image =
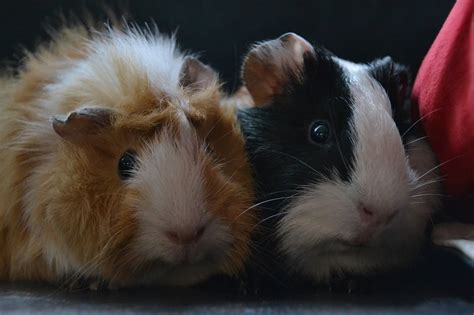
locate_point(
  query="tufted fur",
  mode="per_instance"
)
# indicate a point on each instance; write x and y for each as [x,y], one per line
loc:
[64,212]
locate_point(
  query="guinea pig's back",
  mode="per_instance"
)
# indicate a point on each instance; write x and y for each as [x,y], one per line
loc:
[7,199]
[8,131]
[25,134]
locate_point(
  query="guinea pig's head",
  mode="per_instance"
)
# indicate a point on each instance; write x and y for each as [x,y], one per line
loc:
[150,182]
[342,179]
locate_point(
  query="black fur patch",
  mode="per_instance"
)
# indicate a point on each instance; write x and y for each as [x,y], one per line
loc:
[396,80]
[283,158]
[285,161]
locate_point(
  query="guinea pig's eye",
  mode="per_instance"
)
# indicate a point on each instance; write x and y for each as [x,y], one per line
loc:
[319,132]
[127,164]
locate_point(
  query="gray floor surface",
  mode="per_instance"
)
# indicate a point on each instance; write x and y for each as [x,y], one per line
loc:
[444,284]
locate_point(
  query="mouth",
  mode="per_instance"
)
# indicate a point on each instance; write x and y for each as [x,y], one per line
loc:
[188,261]
[358,244]
[181,273]
[339,247]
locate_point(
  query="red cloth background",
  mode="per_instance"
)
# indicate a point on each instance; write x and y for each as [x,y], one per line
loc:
[444,92]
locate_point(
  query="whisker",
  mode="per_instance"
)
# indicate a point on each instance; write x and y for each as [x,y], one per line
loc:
[296,159]
[422,184]
[213,127]
[416,140]
[416,150]
[263,202]
[428,195]
[436,167]
[283,191]
[96,260]
[272,216]
[343,158]
[262,250]
[418,121]
[223,136]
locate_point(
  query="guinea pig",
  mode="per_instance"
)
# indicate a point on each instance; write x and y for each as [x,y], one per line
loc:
[345,180]
[119,165]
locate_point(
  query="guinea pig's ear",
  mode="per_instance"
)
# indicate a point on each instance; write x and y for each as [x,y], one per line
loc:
[196,75]
[242,98]
[395,79]
[270,65]
[83,123]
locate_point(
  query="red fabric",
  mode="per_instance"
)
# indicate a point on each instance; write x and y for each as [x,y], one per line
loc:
[444,91]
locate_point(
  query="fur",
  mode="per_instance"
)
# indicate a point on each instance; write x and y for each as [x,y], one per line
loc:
[66,215]
[315,196]
[381,179]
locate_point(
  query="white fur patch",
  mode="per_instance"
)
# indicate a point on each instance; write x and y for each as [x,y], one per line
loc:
[321,223]
[380,172]
[170,180]
[115,63]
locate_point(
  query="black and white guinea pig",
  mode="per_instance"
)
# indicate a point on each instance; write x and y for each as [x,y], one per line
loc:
[346,182]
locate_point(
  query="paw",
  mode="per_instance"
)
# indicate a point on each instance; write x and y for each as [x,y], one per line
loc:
[455,235]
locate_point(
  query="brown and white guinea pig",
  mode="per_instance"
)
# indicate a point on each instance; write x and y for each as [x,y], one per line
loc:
[119,166]
[346,182]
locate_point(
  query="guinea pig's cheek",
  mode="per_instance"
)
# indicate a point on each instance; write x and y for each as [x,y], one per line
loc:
[230,206]
[325,212]
[216,240]
[162,234]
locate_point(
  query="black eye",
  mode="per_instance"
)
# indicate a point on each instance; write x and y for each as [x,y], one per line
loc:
[127,164]
[319,132]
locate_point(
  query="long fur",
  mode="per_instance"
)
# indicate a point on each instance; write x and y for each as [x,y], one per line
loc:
[65,214]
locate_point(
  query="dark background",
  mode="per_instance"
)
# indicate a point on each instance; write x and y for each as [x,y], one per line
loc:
[443,283]
[222,31]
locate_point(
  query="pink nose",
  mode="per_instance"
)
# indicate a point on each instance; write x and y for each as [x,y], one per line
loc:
[372,217]
[185,237]
[371,220]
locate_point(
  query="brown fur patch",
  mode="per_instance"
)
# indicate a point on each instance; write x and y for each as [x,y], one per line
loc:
[65,214]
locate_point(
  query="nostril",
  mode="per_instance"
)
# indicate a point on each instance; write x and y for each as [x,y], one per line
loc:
[367,215]
[185,237]
[367,212]
[391,216]
[200,232]
[382,216]
[173,236]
